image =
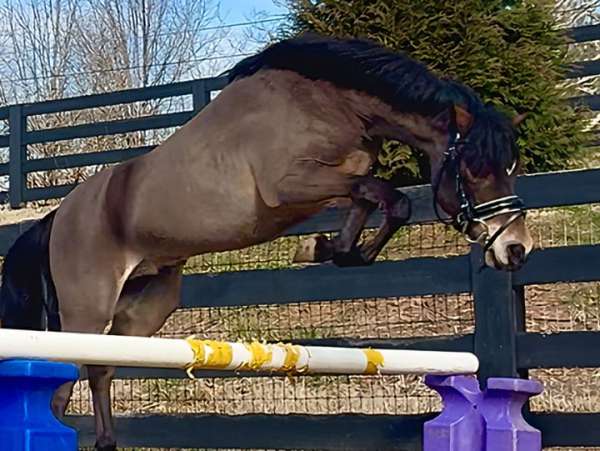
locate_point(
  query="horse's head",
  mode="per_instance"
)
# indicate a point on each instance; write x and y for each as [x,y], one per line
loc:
[473,150]
[474,183]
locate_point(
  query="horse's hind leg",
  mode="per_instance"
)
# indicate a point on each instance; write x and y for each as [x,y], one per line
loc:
[143,307]
[89,277]
[83,314]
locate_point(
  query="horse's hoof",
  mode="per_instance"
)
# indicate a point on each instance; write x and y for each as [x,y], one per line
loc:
[353,258]
[315,249]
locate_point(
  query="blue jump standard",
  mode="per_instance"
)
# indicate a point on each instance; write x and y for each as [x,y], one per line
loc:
[472,420]
[26,419]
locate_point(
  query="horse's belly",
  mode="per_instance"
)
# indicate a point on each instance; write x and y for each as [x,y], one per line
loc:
[242,222]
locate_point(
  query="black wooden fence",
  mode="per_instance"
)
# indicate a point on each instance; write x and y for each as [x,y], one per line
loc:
[19,138]
[500,340]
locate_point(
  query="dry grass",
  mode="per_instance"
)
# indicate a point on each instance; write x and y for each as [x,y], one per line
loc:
[565,307]
[8,216]
[317,395]
[358,318]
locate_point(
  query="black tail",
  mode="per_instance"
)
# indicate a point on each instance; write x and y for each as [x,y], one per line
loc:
[27,296]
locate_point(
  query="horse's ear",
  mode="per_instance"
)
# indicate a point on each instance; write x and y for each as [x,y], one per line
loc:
[519,118]
[464,120]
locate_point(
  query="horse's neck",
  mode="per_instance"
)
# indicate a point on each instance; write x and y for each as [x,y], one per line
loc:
[412,129]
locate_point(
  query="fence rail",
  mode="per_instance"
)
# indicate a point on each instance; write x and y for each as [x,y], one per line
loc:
[335,432]
[19,137]
[500,340]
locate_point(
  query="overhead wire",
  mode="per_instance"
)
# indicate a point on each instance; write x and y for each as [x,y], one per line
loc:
[162,64]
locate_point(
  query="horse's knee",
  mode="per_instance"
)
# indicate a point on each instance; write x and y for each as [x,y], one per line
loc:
[380,192]
[100,377]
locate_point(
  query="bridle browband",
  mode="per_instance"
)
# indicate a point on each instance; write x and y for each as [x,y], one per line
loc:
[470,214]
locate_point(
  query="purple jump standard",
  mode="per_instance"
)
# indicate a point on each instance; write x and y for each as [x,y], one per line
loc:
[475,420]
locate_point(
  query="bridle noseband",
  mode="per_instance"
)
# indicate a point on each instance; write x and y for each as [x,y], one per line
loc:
[470,214]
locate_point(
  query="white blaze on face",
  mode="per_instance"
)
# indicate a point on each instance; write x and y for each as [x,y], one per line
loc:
[516,233]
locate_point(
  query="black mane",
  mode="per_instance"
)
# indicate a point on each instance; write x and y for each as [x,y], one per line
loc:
[405,84]
[358,64]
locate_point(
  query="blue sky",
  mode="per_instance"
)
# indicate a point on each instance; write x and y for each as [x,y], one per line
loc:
[242,10]
[245,39]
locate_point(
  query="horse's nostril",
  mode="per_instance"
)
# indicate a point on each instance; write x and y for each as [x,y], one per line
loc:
[516,253]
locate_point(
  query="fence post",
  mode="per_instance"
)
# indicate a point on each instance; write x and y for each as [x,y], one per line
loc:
[520,320]
[17,155]
[200,95]
[495,320]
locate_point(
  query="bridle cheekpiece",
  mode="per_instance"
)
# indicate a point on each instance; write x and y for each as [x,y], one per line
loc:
[469,213]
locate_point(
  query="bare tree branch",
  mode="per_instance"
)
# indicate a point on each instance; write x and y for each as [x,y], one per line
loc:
[57,48]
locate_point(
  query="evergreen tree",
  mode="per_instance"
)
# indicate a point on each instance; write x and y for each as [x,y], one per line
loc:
[511,52]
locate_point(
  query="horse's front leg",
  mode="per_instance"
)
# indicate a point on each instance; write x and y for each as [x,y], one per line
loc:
[396,211]
[367,194]
[396,214]
[319,249]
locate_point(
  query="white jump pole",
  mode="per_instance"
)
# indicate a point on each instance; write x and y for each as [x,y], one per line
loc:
[193,354]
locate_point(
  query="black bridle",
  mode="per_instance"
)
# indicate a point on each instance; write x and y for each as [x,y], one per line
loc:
[469,213]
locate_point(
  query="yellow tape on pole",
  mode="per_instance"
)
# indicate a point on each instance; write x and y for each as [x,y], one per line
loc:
[292,355]
[219,357]
[259,355]
[210,354]
[374,361]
